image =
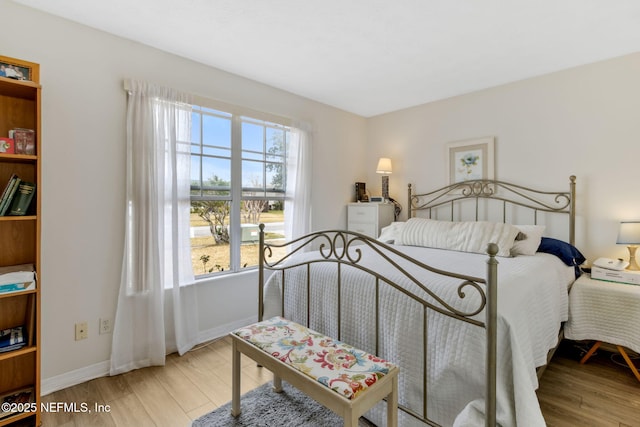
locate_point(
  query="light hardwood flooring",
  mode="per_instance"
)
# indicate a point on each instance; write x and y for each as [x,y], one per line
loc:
[599,393]
[184,389]
[602,392]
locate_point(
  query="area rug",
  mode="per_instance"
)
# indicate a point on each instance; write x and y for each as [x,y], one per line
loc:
[262,407]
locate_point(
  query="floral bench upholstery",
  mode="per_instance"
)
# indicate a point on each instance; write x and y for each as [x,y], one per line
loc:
[332,372]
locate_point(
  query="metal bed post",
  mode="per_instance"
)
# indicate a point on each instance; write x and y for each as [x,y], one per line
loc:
[261,274]
[492,334]
[409,206]
[572,210]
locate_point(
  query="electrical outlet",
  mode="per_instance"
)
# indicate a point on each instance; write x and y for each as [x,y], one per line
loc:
[105,326]
[82,331]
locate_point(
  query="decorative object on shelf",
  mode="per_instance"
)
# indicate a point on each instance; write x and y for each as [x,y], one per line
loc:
[6,145]
[361,192]
[24,139]
[629,234]
[384,168]
[470,159]
[15,71]
[18,69]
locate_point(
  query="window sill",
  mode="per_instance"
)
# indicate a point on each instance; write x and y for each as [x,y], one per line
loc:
[217,278]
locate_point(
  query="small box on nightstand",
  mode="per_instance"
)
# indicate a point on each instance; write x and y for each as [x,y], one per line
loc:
[620,276]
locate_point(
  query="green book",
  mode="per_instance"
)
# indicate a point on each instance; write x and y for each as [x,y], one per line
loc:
[7,196]
[5,192]
[22,198]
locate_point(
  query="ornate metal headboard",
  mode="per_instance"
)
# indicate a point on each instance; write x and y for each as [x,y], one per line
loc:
[507,194]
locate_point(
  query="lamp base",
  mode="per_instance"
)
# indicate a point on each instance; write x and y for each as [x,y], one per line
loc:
[385,187]
[633,265]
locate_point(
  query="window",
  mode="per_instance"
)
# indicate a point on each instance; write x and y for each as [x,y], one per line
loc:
[238,179]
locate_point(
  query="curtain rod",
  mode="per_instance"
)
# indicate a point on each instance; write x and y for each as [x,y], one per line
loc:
[202,101]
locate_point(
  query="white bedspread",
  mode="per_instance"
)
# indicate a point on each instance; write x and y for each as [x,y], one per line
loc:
[532,303]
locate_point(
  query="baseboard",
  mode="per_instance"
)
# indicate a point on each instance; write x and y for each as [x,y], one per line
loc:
[88,373]
[68,379]
[220,331]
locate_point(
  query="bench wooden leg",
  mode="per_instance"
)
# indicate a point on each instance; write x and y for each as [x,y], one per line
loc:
[235,381]
[392,405]
[277,384]
[351,419]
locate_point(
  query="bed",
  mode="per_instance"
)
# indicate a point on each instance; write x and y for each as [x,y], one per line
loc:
[467,320]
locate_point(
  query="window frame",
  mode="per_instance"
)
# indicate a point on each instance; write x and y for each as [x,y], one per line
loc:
[238,116]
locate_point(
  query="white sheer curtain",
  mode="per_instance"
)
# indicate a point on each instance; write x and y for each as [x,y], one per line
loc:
[157,258]
[297,209]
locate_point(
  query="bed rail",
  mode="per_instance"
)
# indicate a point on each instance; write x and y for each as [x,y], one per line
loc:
[346,248]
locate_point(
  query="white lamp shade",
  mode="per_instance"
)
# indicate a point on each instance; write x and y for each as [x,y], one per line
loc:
[384,165]
[629,233]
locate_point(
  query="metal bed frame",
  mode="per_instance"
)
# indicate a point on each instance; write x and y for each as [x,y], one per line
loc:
[504,193]
[343,248]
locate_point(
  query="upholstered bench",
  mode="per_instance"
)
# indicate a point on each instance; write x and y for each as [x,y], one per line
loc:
[346,380]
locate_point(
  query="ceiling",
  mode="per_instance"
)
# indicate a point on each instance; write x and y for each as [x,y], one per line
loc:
[372,56]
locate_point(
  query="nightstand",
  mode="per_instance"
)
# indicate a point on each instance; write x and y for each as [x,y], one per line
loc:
[605,312]
[369,218]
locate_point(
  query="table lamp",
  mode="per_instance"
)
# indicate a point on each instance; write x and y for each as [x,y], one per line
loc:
[629,234]
[384,168]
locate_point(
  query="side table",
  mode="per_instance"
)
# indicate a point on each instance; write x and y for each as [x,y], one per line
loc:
[605,312]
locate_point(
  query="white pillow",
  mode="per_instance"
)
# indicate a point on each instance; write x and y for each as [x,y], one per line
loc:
[528,245]
[390,233]
[464,236]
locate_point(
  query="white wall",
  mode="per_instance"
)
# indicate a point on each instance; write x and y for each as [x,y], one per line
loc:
[83,117]
[583,121]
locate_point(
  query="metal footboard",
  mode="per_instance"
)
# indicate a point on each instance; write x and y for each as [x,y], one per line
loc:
[345,250]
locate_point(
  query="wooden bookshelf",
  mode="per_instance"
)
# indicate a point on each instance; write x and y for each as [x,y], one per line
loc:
[20,238]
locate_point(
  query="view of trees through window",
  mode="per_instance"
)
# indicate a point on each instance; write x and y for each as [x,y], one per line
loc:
[238,177]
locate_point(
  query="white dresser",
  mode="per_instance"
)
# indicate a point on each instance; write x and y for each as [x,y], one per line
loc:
[369,218]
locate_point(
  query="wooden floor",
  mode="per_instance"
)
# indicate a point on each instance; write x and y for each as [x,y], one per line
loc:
[184,389]
[599,393]
[602,392]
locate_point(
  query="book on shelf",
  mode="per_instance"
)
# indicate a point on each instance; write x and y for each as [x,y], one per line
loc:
[17,287]
[20,397]
[12,339]
[22,198]
[6,145]
[8,193]
[17,268]
[6,187]
[24,140]
[17,278]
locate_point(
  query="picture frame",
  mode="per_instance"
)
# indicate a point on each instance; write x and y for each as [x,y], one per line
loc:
[471,159]
[18,69]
